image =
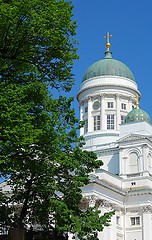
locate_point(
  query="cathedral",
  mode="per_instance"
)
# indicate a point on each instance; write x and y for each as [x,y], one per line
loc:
[120,133]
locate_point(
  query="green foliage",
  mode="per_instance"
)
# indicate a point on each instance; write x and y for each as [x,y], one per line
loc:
[89,222]
[36,38]
[40,150]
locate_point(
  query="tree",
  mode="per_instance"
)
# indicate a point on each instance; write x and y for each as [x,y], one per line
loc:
[40,149]
[38,135]
[36,38]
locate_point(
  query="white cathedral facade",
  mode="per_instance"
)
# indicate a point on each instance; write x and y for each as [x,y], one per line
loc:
[120,133]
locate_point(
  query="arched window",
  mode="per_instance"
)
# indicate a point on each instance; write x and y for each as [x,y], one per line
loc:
[133,162]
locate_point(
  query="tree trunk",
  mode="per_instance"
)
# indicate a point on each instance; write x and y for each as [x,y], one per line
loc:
[16,234]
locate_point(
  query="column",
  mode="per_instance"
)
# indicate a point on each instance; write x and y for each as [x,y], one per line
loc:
[107,231]
[146,223]
[124,167]
[81,118]
[122,164]
[130,104]
[113,231]
[118,117]
[145,160]
[123,214]
[103,115]
[140,163]
[90,125]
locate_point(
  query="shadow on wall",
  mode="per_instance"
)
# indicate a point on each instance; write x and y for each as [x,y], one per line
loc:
[113,165]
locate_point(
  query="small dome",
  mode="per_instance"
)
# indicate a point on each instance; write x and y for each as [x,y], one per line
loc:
[108,67]
[137,115]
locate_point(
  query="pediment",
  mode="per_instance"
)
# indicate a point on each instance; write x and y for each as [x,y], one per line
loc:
[134,138]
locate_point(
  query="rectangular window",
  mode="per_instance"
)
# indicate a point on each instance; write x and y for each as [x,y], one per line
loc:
[86,126]
[96,122]
[122,119]
[123,106]
[110,121]
[117,220]
[86,109]
[135,221]
[110,104]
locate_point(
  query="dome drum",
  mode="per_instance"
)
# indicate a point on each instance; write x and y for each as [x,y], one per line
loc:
[111,84]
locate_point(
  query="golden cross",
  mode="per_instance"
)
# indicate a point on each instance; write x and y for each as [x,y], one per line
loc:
[108,45]
[108,36]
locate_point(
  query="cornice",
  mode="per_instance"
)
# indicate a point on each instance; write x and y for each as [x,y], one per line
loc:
[134,137]
[108,77]
[119,96]
[101,133]
[98,202]
[107,85]
[106,185]
[140,192]
[107,150]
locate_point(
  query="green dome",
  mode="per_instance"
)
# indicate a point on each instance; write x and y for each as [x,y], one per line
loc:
[137,115]
[108,67]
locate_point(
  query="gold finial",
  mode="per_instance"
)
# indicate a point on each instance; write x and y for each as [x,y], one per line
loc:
[108,45]
[137,101]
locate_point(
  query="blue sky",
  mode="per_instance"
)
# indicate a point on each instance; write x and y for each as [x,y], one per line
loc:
[130,23]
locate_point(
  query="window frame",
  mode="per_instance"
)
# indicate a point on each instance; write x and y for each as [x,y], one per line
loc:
[123,119]
[86,109]
[123,106]
[86,125]
[118,220]
[110,121]
[135,221]
[110,105]
[97,123]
